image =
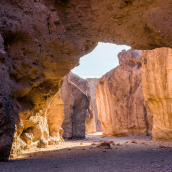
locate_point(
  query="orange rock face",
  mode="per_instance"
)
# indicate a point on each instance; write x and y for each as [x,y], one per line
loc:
[44,40]
[76,105]
[121,106]
[92,123]
[55,117]
[157,88]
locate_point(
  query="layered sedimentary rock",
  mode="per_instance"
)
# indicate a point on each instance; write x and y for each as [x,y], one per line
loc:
[121,106]
[92,123]
[44,40]
[76,105]
[157,88]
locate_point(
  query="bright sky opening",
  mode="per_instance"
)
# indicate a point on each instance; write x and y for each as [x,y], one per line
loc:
[100,61]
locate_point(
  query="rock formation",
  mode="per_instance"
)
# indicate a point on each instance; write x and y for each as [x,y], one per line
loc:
[121,106]
[157,89]
[44,40]
[6,108]
[80,108]
[76,105]
[40,128]
[92,123]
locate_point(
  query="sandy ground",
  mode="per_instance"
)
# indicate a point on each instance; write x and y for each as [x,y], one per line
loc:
[83,156]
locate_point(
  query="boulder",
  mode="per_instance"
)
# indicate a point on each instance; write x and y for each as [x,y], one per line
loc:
[121,105]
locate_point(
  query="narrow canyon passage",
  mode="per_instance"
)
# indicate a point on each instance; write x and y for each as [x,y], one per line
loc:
[41,41]
[127,154]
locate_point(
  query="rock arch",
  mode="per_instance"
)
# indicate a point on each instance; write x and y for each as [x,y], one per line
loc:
[42,40]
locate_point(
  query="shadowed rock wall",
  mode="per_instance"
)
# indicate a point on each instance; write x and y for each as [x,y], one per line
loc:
[157,88]
[92,123]
[44,40]
[80,108]
[121,106]
[76,106]
[6,108]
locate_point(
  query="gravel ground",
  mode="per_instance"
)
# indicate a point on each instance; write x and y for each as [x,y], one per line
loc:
[83,156]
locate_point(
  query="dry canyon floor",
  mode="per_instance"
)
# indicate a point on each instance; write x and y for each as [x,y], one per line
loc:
[128,154]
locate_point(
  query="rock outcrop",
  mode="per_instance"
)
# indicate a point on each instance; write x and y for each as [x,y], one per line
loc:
[80,109]
[44,40]
[157,89]
[92,123]
[76,105]
[121,106]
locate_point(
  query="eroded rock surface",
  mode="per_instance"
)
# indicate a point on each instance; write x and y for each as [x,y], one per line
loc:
[121,106]
[92,123]
[44,40]
[76,105]
[157,88]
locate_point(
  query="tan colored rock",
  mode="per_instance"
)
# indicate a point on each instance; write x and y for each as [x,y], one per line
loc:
[121,106]
[157,89]
[44,40]
[55,117]
[92,123]
[28,132]
[28,124]
[75,106]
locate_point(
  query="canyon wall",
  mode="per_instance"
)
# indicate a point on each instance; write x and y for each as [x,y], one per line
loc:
[80,108]
[6,108]
[92,123]
[121,106]
[157,88]
[76,106]
[43,41]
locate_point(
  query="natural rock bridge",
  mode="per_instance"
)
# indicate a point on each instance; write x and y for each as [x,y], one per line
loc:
[42,40]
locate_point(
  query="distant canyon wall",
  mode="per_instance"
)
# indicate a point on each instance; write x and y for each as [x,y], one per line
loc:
[80,109]
[76,105]
[121,106]
[92,123]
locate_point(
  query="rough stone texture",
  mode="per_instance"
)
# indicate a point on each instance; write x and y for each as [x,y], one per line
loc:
[92,123]
[157,88]
[29,132]
[40,129]
[6,108]
[75,106]
[55,116]
[121,106]
[45,38]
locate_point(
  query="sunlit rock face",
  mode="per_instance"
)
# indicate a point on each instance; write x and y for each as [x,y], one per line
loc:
[121,106]
[39,129]
[76,106]
[92,123]
[44,40]
[157,88]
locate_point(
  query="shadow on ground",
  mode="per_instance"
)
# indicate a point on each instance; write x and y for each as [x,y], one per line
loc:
[124,157]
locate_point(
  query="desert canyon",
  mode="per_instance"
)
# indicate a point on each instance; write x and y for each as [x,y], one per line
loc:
[44,106]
